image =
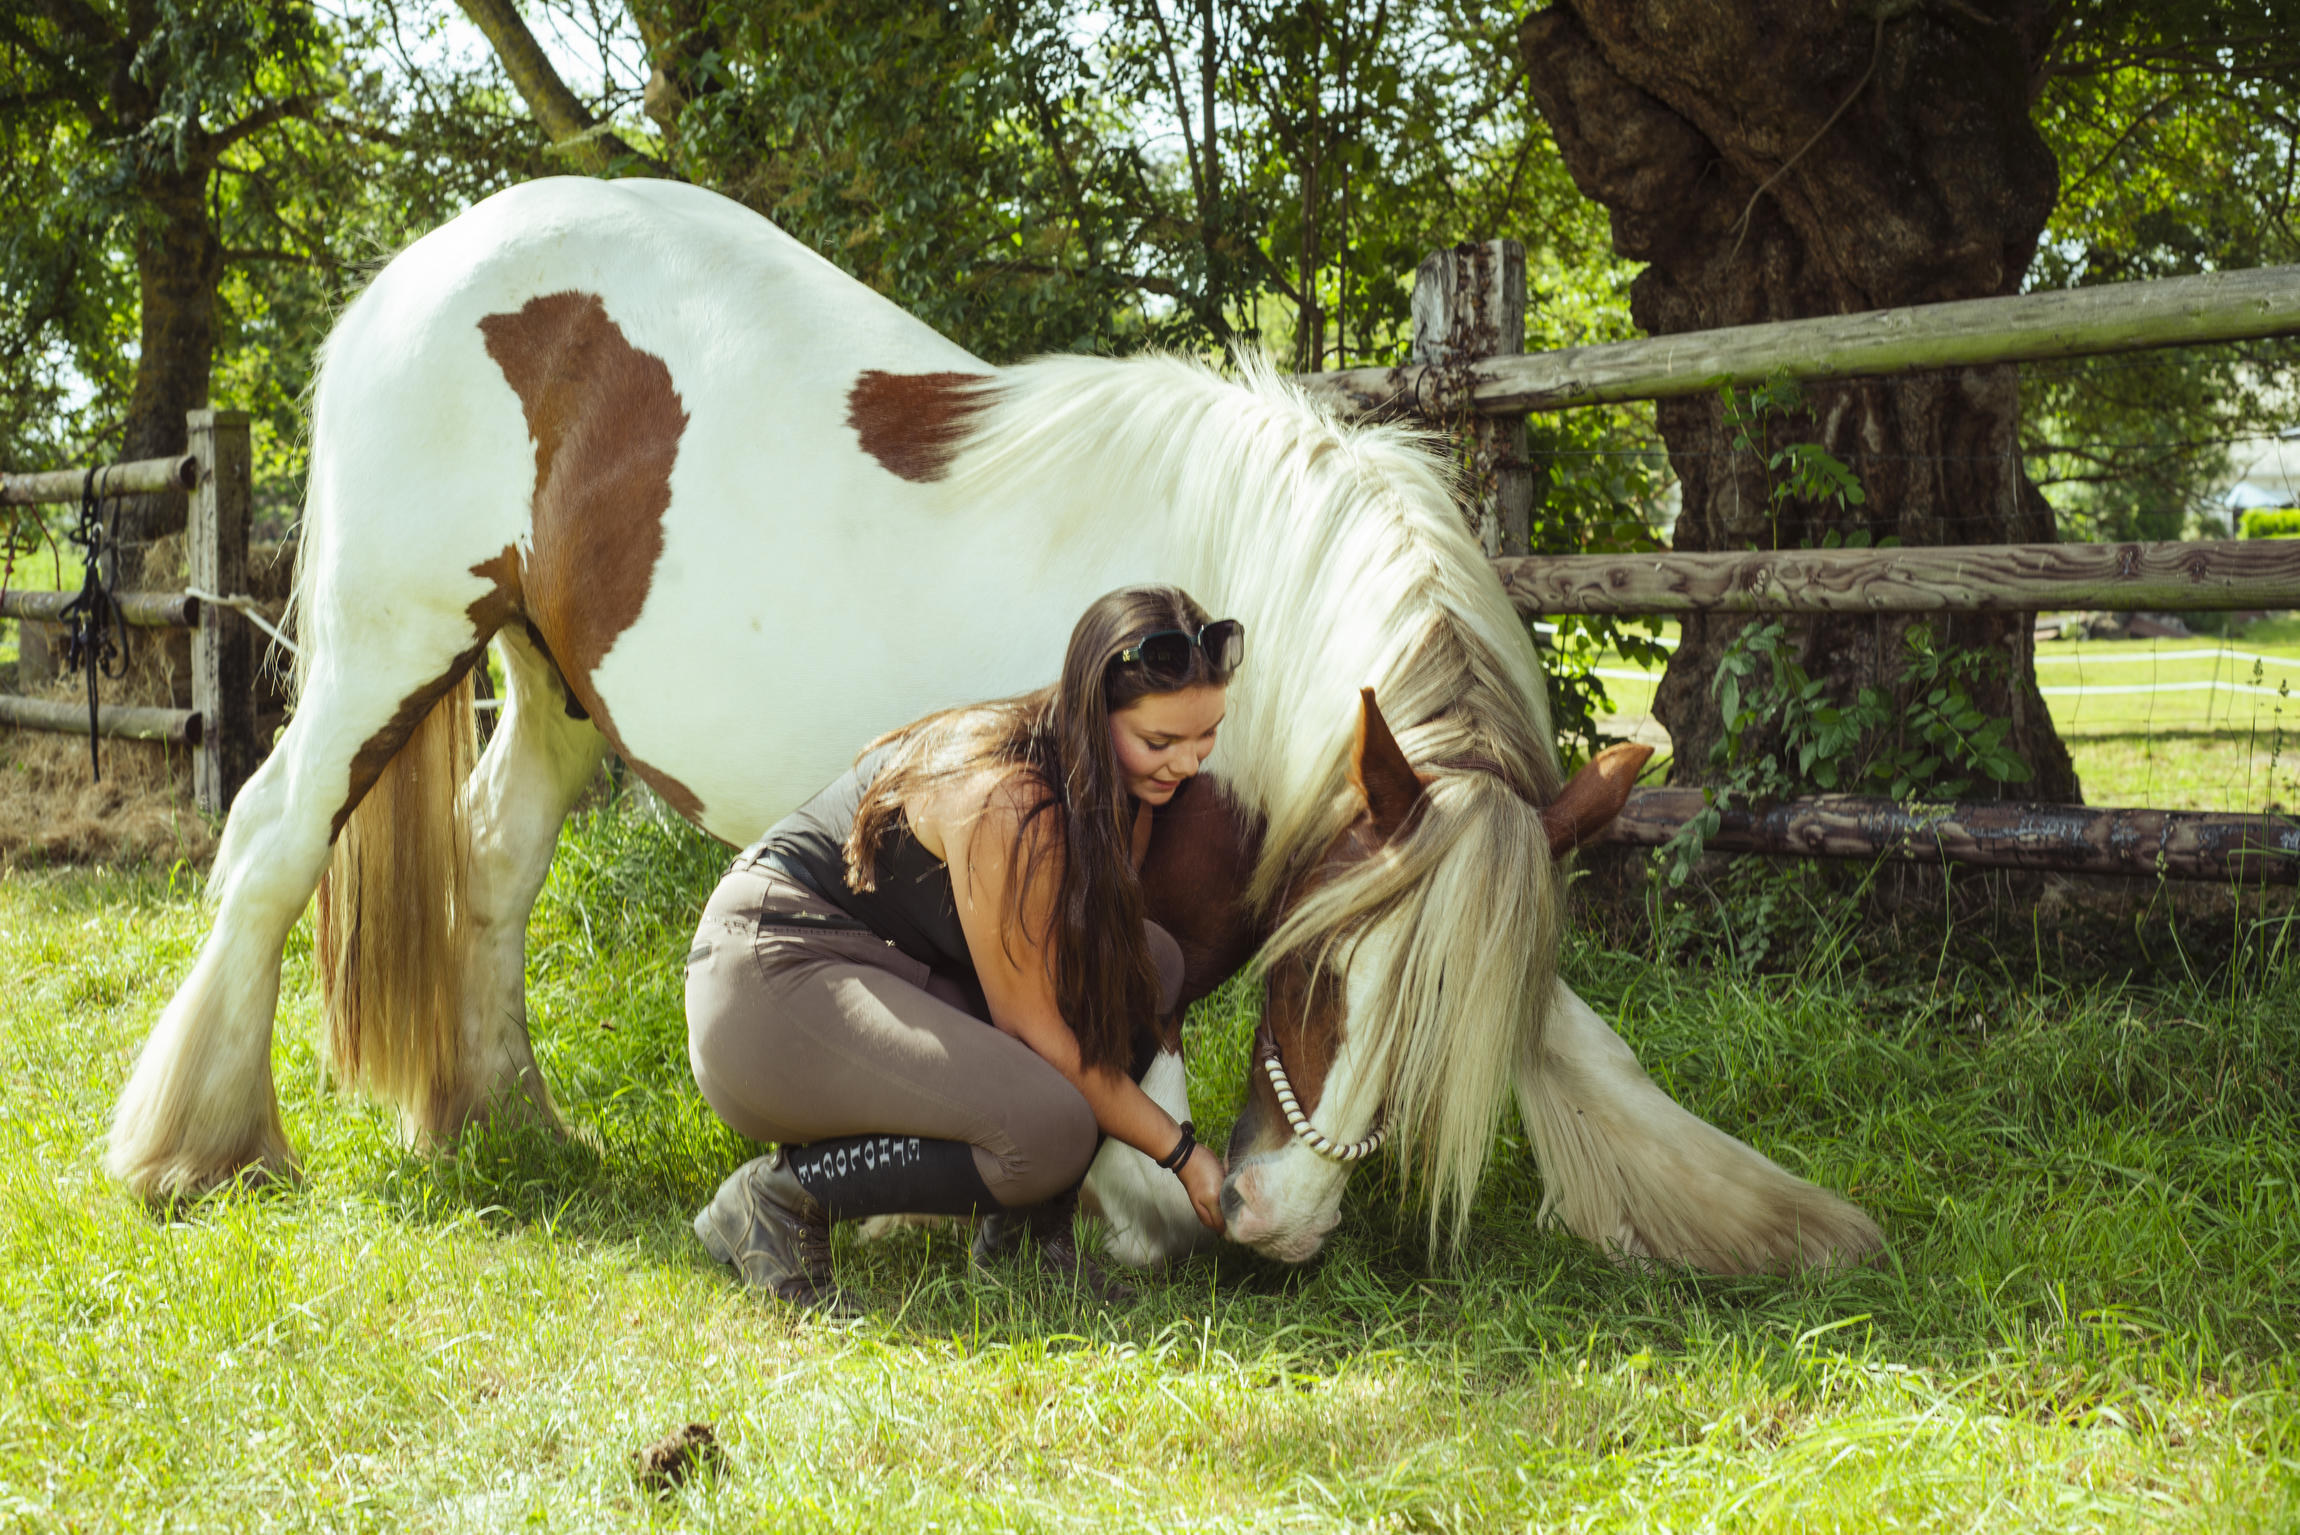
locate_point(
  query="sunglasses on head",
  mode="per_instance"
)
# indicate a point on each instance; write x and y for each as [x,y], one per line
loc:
[1165,653]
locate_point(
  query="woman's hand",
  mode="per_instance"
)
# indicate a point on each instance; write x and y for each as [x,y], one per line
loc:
[1201,1176]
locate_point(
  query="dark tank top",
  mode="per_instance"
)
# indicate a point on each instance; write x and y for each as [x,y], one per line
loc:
[912,908]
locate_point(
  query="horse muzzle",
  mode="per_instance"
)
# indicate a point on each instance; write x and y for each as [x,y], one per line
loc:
[1282,1204]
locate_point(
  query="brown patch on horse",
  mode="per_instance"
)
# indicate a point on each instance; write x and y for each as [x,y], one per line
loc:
[913,423]
[606,423]
[1380,773]
[1593,797]
[1194,879]
[1302,1013]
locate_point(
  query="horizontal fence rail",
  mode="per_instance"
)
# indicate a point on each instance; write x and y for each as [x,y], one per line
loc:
[142,477]
[2066,839]
[2225,574]
[134,723]
[2027,327]
[146,610]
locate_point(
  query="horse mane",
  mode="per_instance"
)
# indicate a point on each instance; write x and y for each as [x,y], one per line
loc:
[1344,549]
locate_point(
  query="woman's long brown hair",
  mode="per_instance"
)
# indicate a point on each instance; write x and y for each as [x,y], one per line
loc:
[1080,815]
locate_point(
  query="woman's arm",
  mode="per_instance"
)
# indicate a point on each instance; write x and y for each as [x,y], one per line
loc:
[1016,970]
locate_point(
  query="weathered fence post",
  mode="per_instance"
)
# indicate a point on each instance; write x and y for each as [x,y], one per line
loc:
[1469,304]
[223,652]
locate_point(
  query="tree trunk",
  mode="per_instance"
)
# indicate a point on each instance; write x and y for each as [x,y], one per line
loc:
[179,263]
[1803,158]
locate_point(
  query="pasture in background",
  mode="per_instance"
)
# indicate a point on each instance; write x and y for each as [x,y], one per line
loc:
[2084,1320]
[2210,722]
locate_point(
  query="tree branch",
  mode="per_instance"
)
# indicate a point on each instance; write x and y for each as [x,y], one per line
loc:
[261,118]
[2201,57]
[564,120]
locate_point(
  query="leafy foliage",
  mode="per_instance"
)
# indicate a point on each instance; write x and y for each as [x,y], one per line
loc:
[301,146]
[2272,522]
[2177,126]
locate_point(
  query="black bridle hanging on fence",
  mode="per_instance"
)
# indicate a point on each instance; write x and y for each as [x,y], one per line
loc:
[95,635]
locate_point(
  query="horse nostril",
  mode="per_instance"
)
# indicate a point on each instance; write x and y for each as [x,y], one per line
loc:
[1233,1203]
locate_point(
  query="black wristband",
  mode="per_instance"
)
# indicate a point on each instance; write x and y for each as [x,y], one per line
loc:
[1172,1161]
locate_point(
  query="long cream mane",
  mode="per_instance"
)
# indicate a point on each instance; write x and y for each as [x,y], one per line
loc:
[1344,550]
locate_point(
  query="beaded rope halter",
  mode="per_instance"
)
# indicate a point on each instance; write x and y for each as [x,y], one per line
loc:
[1305,1132]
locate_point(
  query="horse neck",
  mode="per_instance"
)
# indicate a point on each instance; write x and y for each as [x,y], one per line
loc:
[1194,882]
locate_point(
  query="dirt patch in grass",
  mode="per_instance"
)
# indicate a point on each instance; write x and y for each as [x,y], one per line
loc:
[678,1455]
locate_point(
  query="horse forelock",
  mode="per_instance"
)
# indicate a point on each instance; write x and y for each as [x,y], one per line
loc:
[1344,550]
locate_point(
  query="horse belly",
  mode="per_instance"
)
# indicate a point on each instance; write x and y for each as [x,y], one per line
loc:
[774,645]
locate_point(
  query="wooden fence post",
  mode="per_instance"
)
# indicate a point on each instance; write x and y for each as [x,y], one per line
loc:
[223,652]
[1469,304]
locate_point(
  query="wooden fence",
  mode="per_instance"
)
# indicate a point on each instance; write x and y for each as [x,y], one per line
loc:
[1469,306]
[1488,282]
[220,726]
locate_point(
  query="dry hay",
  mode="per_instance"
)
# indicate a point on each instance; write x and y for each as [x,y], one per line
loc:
[141,812]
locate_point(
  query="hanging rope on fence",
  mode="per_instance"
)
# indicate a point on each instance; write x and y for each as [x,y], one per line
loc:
[251,610]
[95,633]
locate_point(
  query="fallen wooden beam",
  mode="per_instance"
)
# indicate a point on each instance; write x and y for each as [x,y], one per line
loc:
[1972,578]
[2066,839]
[181,726]
[146,610]
[143,477]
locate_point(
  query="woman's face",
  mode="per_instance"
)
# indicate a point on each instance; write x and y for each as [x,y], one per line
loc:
[1163,738]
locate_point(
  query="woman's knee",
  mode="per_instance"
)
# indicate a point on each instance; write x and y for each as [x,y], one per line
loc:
[1057,1141]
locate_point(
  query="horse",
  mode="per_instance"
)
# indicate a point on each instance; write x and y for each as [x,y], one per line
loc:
[726,513]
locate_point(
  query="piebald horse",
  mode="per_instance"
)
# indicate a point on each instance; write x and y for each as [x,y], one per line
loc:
[727,513]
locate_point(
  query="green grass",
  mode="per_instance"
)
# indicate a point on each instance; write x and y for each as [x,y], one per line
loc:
[2084,1322]
[49,569]
[2232,745]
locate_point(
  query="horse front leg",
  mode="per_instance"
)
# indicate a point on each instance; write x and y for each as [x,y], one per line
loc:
[1145,1207]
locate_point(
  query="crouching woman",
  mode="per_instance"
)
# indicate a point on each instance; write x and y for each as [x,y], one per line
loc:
[928,983]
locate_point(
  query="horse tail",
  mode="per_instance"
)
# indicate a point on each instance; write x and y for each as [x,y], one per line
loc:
[391,926]
[1625,1166]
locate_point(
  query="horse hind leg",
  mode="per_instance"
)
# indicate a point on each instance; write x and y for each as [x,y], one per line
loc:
[537,764]
[199,1109]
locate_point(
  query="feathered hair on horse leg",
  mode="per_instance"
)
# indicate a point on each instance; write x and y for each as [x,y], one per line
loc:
[1624,1166]
[390,930]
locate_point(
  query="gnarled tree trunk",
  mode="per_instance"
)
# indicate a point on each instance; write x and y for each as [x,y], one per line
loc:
[1806,158]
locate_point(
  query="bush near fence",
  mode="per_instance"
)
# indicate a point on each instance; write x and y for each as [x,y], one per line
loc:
[2271,522]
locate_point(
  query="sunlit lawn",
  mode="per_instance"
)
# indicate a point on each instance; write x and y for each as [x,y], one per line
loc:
[2085,1320]
[2195,724]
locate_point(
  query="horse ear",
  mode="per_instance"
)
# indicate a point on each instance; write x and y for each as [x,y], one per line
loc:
[1380,773]
[1593,797]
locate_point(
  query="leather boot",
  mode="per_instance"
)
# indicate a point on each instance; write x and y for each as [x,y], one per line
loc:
[775,1234]
[1051,1231]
